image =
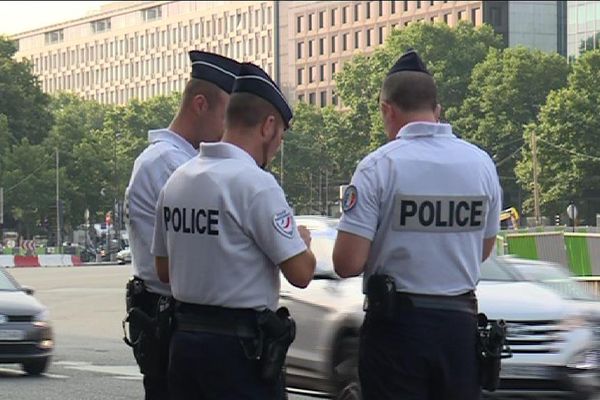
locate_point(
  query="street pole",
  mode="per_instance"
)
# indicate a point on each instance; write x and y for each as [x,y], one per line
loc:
[58,239]
[281,164]
[536,193]
[117,220]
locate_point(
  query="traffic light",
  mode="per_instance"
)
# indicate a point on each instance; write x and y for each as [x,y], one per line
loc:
[557,219]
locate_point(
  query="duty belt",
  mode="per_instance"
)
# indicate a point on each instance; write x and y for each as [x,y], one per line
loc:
[238,322]
[464,303]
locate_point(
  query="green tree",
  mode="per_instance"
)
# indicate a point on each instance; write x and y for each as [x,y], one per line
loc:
[450,55]
[21,98]
[567,144]
[506,92]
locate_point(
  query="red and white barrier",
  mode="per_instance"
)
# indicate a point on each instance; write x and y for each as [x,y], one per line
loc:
[46,260]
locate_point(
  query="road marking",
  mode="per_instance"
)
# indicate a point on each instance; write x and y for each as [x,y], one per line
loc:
[18,372]
[130,372]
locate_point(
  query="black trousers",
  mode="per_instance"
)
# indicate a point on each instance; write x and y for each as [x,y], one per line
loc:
[155,383]
[206,366]
[424,354]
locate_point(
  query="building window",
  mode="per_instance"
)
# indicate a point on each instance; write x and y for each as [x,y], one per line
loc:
[356,39]
[380,8]
[368,9]
[54,36]
[393,7]
[474,13]
[369,32]
[299,77]
[321,46]
[300,97]
[322,72]
[311,98]
[299,21]
[310,48]
[101,25]
[418,4]
[381,34]
[344,15]
[345,42]
[496,16]
[151,14]
[310,22]
[333,16]
[356,11]
[333,40]
[311,74]
[333,70]
[321,19]
[461,15]
[405,5]
[446,18]
[334,98]
[299,50]
[323,95]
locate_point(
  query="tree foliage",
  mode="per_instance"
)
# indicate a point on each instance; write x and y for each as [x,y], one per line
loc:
[506,92]
[567,143]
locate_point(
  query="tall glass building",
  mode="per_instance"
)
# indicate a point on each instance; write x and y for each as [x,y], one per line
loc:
[583,27]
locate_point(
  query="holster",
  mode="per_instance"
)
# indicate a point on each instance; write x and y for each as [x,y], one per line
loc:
[491,344]
[380,301]
[150,327]
[278,331]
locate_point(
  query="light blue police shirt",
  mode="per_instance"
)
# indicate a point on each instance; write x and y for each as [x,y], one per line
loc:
[425,201]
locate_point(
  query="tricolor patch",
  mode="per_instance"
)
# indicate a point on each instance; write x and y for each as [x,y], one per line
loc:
[283,221]
[350,198]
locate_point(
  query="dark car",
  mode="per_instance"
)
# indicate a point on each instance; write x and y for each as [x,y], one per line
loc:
[25,333]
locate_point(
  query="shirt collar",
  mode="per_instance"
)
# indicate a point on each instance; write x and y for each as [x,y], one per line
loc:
[226,150]
[420,129]
[167,135]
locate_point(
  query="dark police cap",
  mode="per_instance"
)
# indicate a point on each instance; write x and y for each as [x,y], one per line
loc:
[409,61]
[214,68]
[252,79]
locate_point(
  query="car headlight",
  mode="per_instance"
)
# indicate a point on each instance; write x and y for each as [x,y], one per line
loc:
[574,321]
[42,316]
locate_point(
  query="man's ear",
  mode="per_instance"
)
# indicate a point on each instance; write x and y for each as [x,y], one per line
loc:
[438,112]
[268,127]
[200,103]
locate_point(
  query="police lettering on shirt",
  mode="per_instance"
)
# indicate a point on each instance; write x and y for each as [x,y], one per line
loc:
[194,221]
[439,213]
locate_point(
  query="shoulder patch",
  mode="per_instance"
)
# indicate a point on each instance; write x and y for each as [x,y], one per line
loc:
[350,198]
[283,221]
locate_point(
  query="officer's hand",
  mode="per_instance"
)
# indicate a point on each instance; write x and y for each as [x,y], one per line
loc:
[304,234]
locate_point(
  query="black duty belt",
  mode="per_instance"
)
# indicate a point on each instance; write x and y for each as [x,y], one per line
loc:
[464,303]
[238,322]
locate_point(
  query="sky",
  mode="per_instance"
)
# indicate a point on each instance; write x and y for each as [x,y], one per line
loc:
[21,16]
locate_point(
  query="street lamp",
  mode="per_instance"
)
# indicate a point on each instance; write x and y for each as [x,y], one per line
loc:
[117,208]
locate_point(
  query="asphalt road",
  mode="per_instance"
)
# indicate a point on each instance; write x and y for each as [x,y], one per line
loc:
[91,362]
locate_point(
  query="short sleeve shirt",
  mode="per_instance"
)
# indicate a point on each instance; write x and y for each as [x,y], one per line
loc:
[166,151]
[226,226]
[425,201]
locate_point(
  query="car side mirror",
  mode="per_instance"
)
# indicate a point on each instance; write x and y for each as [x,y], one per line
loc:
[27,289]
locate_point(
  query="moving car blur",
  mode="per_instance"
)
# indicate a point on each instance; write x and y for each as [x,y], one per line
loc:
[553,326]
[26,336]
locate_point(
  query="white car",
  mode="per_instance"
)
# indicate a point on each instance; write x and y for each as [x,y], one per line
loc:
[124,256]
[553,339]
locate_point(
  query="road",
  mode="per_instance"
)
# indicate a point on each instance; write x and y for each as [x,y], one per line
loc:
[91,362]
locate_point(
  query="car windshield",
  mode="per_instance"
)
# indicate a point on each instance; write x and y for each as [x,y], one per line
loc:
[6,283]
[322,247]
[495,270]
[557,278]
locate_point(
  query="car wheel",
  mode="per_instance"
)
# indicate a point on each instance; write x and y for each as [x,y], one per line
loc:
[346,369]
[36,367]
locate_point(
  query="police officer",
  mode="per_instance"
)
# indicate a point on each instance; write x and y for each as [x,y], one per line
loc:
[224,231]
[200,119]
[419,217]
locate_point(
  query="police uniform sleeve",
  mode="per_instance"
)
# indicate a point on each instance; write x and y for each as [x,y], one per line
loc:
[360,204]
[270,223]
[492,226]
[159,242]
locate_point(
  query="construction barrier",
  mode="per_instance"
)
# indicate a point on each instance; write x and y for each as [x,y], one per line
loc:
[49,260]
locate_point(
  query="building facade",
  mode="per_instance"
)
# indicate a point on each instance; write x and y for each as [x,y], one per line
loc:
[139,49]
[583,27]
